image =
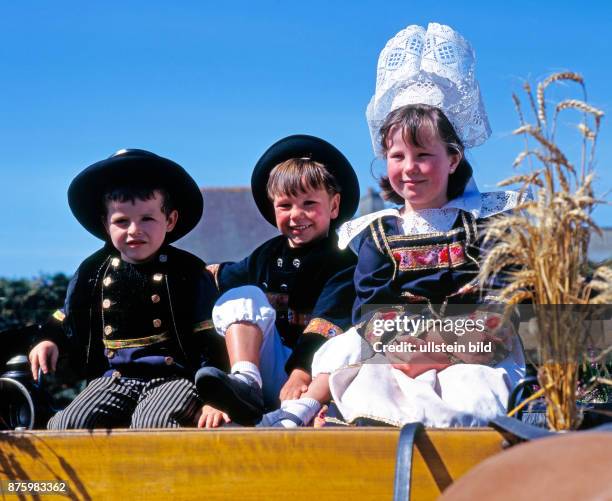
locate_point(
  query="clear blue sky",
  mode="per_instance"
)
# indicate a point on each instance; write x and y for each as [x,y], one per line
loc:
[212,84]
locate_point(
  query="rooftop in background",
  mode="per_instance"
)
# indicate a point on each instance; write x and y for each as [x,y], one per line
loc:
[600,248]
[230,228]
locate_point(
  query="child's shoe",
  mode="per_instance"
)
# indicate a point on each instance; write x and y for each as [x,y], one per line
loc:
[275,419]
[243,401]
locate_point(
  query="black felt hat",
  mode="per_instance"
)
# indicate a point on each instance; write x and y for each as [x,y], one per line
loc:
[303,146]
[134,168]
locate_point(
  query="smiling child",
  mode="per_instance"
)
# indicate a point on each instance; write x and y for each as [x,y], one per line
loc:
[293,292]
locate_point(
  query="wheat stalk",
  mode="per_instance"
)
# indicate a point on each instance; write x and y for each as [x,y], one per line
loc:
[544,245]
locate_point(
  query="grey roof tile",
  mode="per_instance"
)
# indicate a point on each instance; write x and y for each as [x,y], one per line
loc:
[231,227]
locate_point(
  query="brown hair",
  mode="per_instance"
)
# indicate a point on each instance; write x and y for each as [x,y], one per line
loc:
[298,175]
[418,121]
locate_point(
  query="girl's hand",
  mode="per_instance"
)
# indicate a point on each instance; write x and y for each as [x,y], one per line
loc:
[297,384]
[412,361]
[209,417]
[43,356]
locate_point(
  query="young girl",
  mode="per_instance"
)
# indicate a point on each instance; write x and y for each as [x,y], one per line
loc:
[425,346]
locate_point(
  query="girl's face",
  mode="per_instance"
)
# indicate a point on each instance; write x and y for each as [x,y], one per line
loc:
[419,174]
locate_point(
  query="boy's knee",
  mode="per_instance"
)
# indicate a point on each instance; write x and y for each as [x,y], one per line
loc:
[143,420]
[67,420]
[243,304]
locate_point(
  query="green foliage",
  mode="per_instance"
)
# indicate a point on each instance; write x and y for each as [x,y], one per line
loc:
[29,301]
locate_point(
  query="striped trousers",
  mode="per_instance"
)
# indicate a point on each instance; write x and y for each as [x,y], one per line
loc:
[120,402]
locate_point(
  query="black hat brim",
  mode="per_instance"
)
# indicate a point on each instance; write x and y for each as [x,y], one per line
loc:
[87,190]
[319,150]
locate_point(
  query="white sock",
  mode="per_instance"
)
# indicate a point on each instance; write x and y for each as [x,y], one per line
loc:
[247,369]
[304,408]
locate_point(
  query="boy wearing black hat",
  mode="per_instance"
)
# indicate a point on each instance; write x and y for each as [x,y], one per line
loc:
[283,301]
[137,313]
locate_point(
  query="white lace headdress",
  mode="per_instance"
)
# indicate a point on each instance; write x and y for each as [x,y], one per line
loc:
[436,67]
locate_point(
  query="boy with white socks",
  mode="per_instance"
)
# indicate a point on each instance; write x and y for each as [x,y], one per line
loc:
[282,302]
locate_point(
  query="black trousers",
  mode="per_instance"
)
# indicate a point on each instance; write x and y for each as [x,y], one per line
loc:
[120,402]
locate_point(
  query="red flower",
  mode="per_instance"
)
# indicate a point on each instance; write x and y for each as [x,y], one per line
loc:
[492,322]
[390,315]
[424,258]
[443,255]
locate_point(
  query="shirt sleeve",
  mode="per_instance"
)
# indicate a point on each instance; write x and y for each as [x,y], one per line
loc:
[331,315]
[210,345]
[232,274]
[57,327]
[61,327]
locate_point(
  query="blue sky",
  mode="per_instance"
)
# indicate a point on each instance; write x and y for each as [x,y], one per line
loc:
[213,84]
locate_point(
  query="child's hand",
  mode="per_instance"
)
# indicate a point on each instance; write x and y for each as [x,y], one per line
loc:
[415,362]
[297,384]
[44,356]
[209,417]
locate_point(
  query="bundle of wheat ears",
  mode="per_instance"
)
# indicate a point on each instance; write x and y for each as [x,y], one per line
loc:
[542,246]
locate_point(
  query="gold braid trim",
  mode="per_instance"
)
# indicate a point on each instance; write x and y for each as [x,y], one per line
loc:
[115,344]
[59,315]
[323,327]
[203,326]
[375,237]
[387,247]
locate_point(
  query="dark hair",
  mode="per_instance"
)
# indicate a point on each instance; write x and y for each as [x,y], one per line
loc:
[133,193]
[414,120]
[298,175]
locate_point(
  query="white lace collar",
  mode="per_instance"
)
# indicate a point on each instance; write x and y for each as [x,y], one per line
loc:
[480,205]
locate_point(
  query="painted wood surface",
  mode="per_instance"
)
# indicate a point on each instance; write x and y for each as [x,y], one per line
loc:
[239,464]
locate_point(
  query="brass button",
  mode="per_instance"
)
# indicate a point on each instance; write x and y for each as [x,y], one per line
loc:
[296,263]
[155,298]
[169,360]
[157,323]
[279,262]
[106,303]
[158,277]
[115,262]
[108,330]
[110,353]
[163,258]
[107,281]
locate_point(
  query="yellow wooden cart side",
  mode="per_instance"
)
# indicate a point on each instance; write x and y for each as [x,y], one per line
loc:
[334,463]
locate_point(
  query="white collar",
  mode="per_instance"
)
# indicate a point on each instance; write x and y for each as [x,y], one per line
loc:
[479,205]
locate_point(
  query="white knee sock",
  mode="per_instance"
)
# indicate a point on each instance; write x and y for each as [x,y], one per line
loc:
[247,369]
[304,408]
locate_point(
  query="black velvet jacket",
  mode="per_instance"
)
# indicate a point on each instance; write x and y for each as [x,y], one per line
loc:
[110,301]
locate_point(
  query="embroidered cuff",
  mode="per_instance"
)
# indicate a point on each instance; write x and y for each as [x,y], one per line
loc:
[323,327]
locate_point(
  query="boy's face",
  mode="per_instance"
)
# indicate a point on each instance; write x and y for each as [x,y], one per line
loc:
[138,229]
[306,217]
